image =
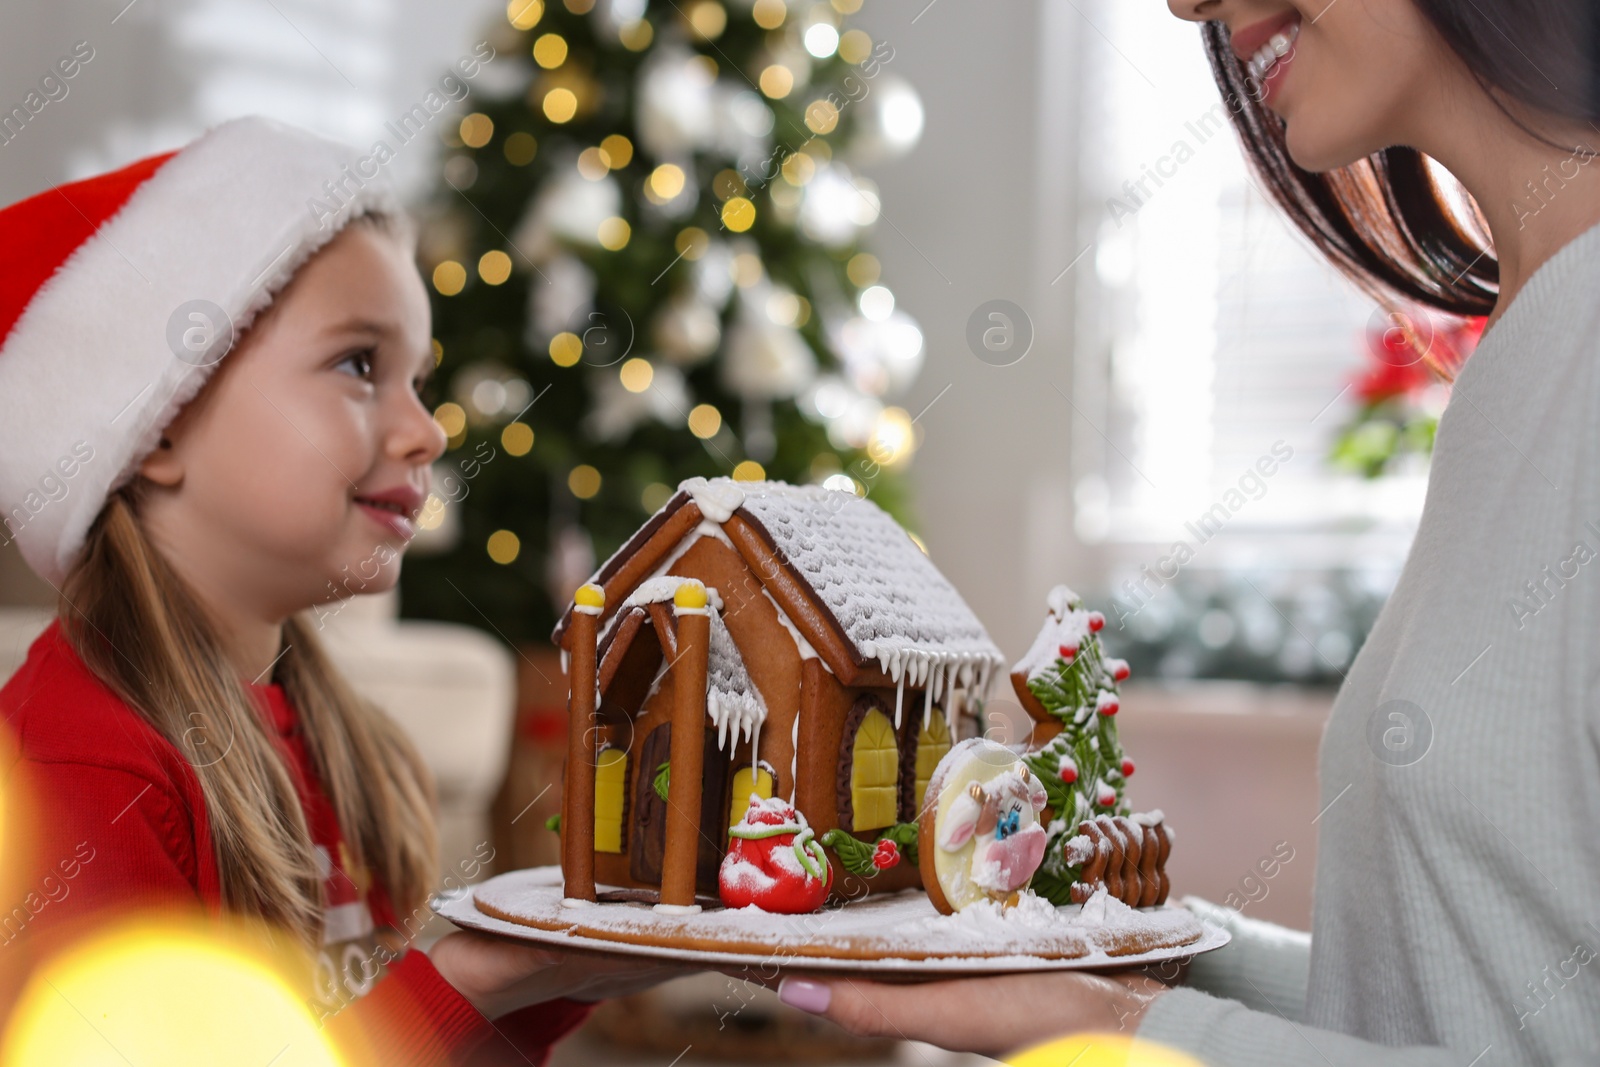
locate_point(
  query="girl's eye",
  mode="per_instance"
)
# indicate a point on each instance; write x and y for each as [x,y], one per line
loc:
[363,359]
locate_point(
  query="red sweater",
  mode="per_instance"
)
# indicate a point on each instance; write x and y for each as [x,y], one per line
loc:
[118,821]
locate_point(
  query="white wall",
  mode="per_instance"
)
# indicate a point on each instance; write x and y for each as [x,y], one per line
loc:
[984,209]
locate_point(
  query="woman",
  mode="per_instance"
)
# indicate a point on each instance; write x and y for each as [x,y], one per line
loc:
[1457,901]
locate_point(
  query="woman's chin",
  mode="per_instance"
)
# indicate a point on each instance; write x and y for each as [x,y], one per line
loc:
[1315,150]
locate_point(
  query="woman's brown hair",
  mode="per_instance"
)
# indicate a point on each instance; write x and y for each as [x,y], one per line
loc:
[141,629]
[1387,221]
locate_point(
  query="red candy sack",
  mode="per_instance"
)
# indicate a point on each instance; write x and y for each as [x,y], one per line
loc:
[773,861]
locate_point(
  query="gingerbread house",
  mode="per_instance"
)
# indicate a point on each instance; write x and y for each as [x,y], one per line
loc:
[758,638]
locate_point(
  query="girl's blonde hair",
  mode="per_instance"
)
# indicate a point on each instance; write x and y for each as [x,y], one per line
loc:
[140,628]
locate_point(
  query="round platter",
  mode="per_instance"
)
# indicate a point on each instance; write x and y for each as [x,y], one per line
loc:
[891,934]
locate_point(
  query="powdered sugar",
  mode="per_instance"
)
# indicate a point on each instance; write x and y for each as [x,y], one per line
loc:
[1063,626]
[901,929]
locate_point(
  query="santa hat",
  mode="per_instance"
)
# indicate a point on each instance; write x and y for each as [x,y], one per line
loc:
[121,293]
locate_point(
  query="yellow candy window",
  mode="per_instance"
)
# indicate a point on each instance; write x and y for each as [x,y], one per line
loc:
[610,779]
[932,743]
[746,782]
[874,774]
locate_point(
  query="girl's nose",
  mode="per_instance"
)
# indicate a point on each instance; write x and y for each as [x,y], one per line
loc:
[416,436]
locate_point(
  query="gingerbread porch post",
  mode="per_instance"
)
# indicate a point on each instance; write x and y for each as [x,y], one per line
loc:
[577,801]
[687,748]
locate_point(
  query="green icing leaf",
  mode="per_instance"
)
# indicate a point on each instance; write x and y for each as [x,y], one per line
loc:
[663,780]
[856,854]
[553,822]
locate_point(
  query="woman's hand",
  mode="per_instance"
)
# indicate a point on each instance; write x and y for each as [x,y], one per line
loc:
[990,1016]
[499,974]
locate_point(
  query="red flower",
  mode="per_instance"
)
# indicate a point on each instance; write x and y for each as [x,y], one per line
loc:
[886,855]
[1396,367]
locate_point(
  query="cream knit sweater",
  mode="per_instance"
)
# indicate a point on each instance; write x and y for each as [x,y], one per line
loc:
[1456,914]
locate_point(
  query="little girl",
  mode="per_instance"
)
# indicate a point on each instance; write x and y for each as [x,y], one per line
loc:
[178,727]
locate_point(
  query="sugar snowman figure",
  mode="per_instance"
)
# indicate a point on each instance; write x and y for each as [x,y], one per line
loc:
[980,837]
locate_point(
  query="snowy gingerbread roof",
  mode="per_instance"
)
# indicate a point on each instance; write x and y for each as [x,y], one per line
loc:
[864,577]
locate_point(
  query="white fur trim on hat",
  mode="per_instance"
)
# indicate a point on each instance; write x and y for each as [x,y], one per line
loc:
[88,375]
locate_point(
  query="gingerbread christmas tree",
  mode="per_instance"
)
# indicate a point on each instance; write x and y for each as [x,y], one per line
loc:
[1082,766]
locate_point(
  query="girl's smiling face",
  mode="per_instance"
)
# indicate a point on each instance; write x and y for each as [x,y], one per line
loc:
[256,498]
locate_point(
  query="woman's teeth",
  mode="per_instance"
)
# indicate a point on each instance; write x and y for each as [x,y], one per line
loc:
[1275,49]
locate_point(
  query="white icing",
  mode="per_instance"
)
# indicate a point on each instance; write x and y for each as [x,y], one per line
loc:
[576,902]
[678,909]
[732,700]
[662,588]
[1062,626]
[717,498]
[794,754]
[800,643]
[1077,849]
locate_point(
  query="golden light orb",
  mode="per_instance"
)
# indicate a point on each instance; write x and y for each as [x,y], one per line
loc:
[584,481]
[566,348]
[476,130]
[449,278]
[550,50]
[613,233]
[503,546]
[704,421]
[636,375]
[494,267]
[738,214]
[560,104]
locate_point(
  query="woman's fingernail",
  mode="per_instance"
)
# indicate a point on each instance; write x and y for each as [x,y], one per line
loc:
[805,995]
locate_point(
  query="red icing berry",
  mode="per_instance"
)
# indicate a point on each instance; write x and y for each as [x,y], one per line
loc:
[1109,707]
[1069,774]
[1068,651]
[1097,622]
[1127,767]
[1121,673]
[1107,797]
[886,855]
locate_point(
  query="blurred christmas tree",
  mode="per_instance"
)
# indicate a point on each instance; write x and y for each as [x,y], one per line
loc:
[647,266]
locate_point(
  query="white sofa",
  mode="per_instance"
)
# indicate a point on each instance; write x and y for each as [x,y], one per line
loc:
[452,688]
